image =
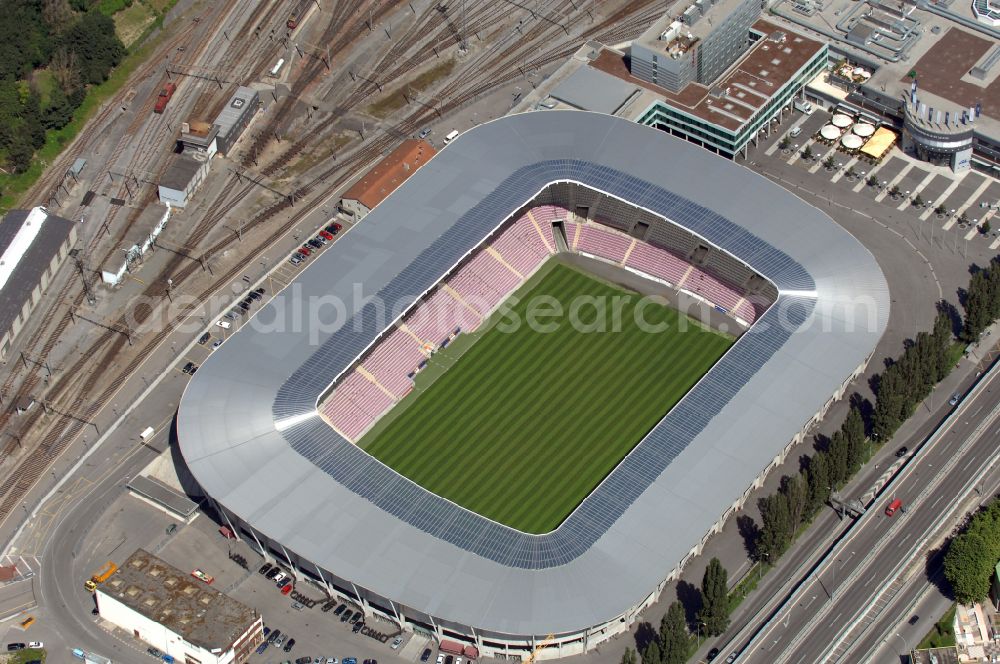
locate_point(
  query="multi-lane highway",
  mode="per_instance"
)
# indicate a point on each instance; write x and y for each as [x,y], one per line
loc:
[842,609]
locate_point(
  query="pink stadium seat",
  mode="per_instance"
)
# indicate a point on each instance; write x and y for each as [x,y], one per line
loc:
[392,359]
[657,262]
[603,243]
[356,404]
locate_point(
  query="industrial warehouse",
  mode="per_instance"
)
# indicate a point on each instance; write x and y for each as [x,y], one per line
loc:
[429,564]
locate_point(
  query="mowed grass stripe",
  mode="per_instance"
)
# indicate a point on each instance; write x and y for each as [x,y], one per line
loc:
[525,424]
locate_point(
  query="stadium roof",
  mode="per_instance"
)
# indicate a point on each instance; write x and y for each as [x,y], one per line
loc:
[249,430]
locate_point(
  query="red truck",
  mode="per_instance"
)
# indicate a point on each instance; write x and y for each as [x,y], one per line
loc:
[164,98]
[292,23]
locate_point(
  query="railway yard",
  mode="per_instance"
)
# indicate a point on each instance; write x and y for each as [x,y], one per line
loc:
[346,95]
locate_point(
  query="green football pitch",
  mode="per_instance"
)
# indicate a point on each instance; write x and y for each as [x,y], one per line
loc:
[526,422]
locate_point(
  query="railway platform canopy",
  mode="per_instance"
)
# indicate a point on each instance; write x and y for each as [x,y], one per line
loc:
[252,406]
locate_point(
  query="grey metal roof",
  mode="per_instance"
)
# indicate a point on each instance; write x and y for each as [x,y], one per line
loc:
[32,265]
[591,89]
[251,407]
[235,108]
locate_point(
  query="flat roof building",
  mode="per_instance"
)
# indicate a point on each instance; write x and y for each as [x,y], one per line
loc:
[724,115]
[394,169]
[182,178]
[696,45]
[33,246]
[182,616]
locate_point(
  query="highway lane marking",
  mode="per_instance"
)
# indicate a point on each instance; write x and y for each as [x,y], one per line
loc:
[938,500]
[903,539]
[971,461]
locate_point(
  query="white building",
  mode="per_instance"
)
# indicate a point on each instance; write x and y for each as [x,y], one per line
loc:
[178,614]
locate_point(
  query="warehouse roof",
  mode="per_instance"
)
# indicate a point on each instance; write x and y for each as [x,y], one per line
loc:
[183,604]
[252,405]
[181,171]
[28,241]
[391,172]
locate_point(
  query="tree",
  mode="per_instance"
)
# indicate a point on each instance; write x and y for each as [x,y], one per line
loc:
[96,46]
[940,210]
[894,191]
[776,527]
[675,644]
[797,495]
[972,555]
[829,163]
[807,153]
[652,654]
[890,403]
[784,143]
[629,656]
[872,181]
[985,227]
[714,610]
[918,202]
[818,481]
[851,173]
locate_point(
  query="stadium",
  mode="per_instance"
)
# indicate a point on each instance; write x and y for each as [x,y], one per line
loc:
[382,427]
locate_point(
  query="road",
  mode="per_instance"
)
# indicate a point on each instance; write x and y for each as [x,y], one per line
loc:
[828,616]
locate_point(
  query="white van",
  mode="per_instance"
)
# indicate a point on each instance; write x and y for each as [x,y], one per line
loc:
[224,324]
[452,135]
[146,434]
[803,106]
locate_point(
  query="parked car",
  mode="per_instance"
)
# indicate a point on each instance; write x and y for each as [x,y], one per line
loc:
[345,616]
[326,234]
[286,589]
[304,660]
[244,306]
[358,626]
[154,652]
[339,609]
[187,367]
[262,647]
[355,617]
[278,641]
[295,260]
[349,660]
[315,244]
[224,324]
[319,238]
[267,630]
[204,338]
[913,620]
[288,646]
[893,506]
[301,255]
[254,295]
[260,291]
[216,343]
[264,569]
[954,399]
[795,132]
[304,250]
[331,660]
[275,571]
[901,452]
[426,655]
[275,635]
[424,133]
[278,578]
[396,642]
[297,606]
[11,647]
[334,228]
[712,654]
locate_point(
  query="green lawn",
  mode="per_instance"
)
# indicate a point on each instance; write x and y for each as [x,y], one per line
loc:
[942,634]
[526,424]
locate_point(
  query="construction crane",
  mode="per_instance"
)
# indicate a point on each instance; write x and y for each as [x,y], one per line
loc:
[539,648]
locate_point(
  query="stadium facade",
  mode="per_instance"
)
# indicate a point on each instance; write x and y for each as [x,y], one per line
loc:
[249,430]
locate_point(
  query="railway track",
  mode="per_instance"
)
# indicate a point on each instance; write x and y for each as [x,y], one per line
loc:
[488,71]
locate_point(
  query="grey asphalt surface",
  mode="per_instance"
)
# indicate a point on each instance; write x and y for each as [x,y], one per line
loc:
[856,570]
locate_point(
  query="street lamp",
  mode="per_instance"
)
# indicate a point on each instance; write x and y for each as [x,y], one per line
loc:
[700,623]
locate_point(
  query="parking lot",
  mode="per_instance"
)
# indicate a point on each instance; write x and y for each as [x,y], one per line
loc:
[298,613]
